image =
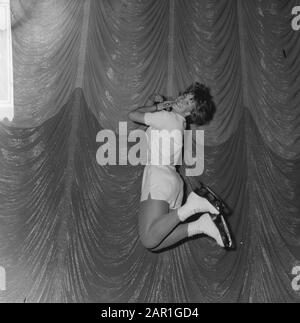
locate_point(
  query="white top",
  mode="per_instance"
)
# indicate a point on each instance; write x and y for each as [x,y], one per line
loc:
[165,138]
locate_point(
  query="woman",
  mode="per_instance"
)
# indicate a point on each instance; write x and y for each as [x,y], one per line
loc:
[162,215]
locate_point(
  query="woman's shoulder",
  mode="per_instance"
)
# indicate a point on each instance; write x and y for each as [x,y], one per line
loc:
[168,120]
[179,119]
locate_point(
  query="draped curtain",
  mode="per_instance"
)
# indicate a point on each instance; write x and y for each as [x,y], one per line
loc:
[68,227]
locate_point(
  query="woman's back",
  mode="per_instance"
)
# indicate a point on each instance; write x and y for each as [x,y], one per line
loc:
[165,138]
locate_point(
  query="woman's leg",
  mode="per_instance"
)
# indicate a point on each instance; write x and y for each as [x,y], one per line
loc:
[204,225]
[156,222]
[159,228]
[178,234]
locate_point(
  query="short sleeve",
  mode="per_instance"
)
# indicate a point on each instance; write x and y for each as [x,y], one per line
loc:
[159,120]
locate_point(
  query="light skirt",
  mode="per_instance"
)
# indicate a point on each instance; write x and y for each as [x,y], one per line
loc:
[163,183]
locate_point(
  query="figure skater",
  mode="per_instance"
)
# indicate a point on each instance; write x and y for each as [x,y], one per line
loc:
[162,216]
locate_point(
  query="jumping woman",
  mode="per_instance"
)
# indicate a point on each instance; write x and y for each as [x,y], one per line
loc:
[162,216]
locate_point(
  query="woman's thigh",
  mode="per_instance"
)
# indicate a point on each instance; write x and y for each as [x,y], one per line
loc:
[150,211]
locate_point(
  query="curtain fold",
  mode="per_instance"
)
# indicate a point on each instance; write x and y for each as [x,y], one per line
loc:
[127,56]
[272,51]
[68,227]
[46,42]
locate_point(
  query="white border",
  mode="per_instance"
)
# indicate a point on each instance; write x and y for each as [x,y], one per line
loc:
[7,106]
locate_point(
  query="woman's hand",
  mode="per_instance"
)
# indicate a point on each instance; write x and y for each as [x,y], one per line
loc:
[156,98]
[167,105]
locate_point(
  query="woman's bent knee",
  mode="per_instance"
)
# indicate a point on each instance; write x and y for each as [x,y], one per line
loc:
[150,212]
[148,240]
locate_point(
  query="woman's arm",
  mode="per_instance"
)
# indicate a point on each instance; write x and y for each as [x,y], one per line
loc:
[138,114]
[155,98]
[153,105]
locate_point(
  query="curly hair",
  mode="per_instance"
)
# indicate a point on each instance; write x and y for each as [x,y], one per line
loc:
[205,107]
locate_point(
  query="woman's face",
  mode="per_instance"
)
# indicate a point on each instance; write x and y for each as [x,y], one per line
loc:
[185,104]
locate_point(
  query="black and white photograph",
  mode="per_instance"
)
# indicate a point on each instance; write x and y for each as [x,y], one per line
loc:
[149,154]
